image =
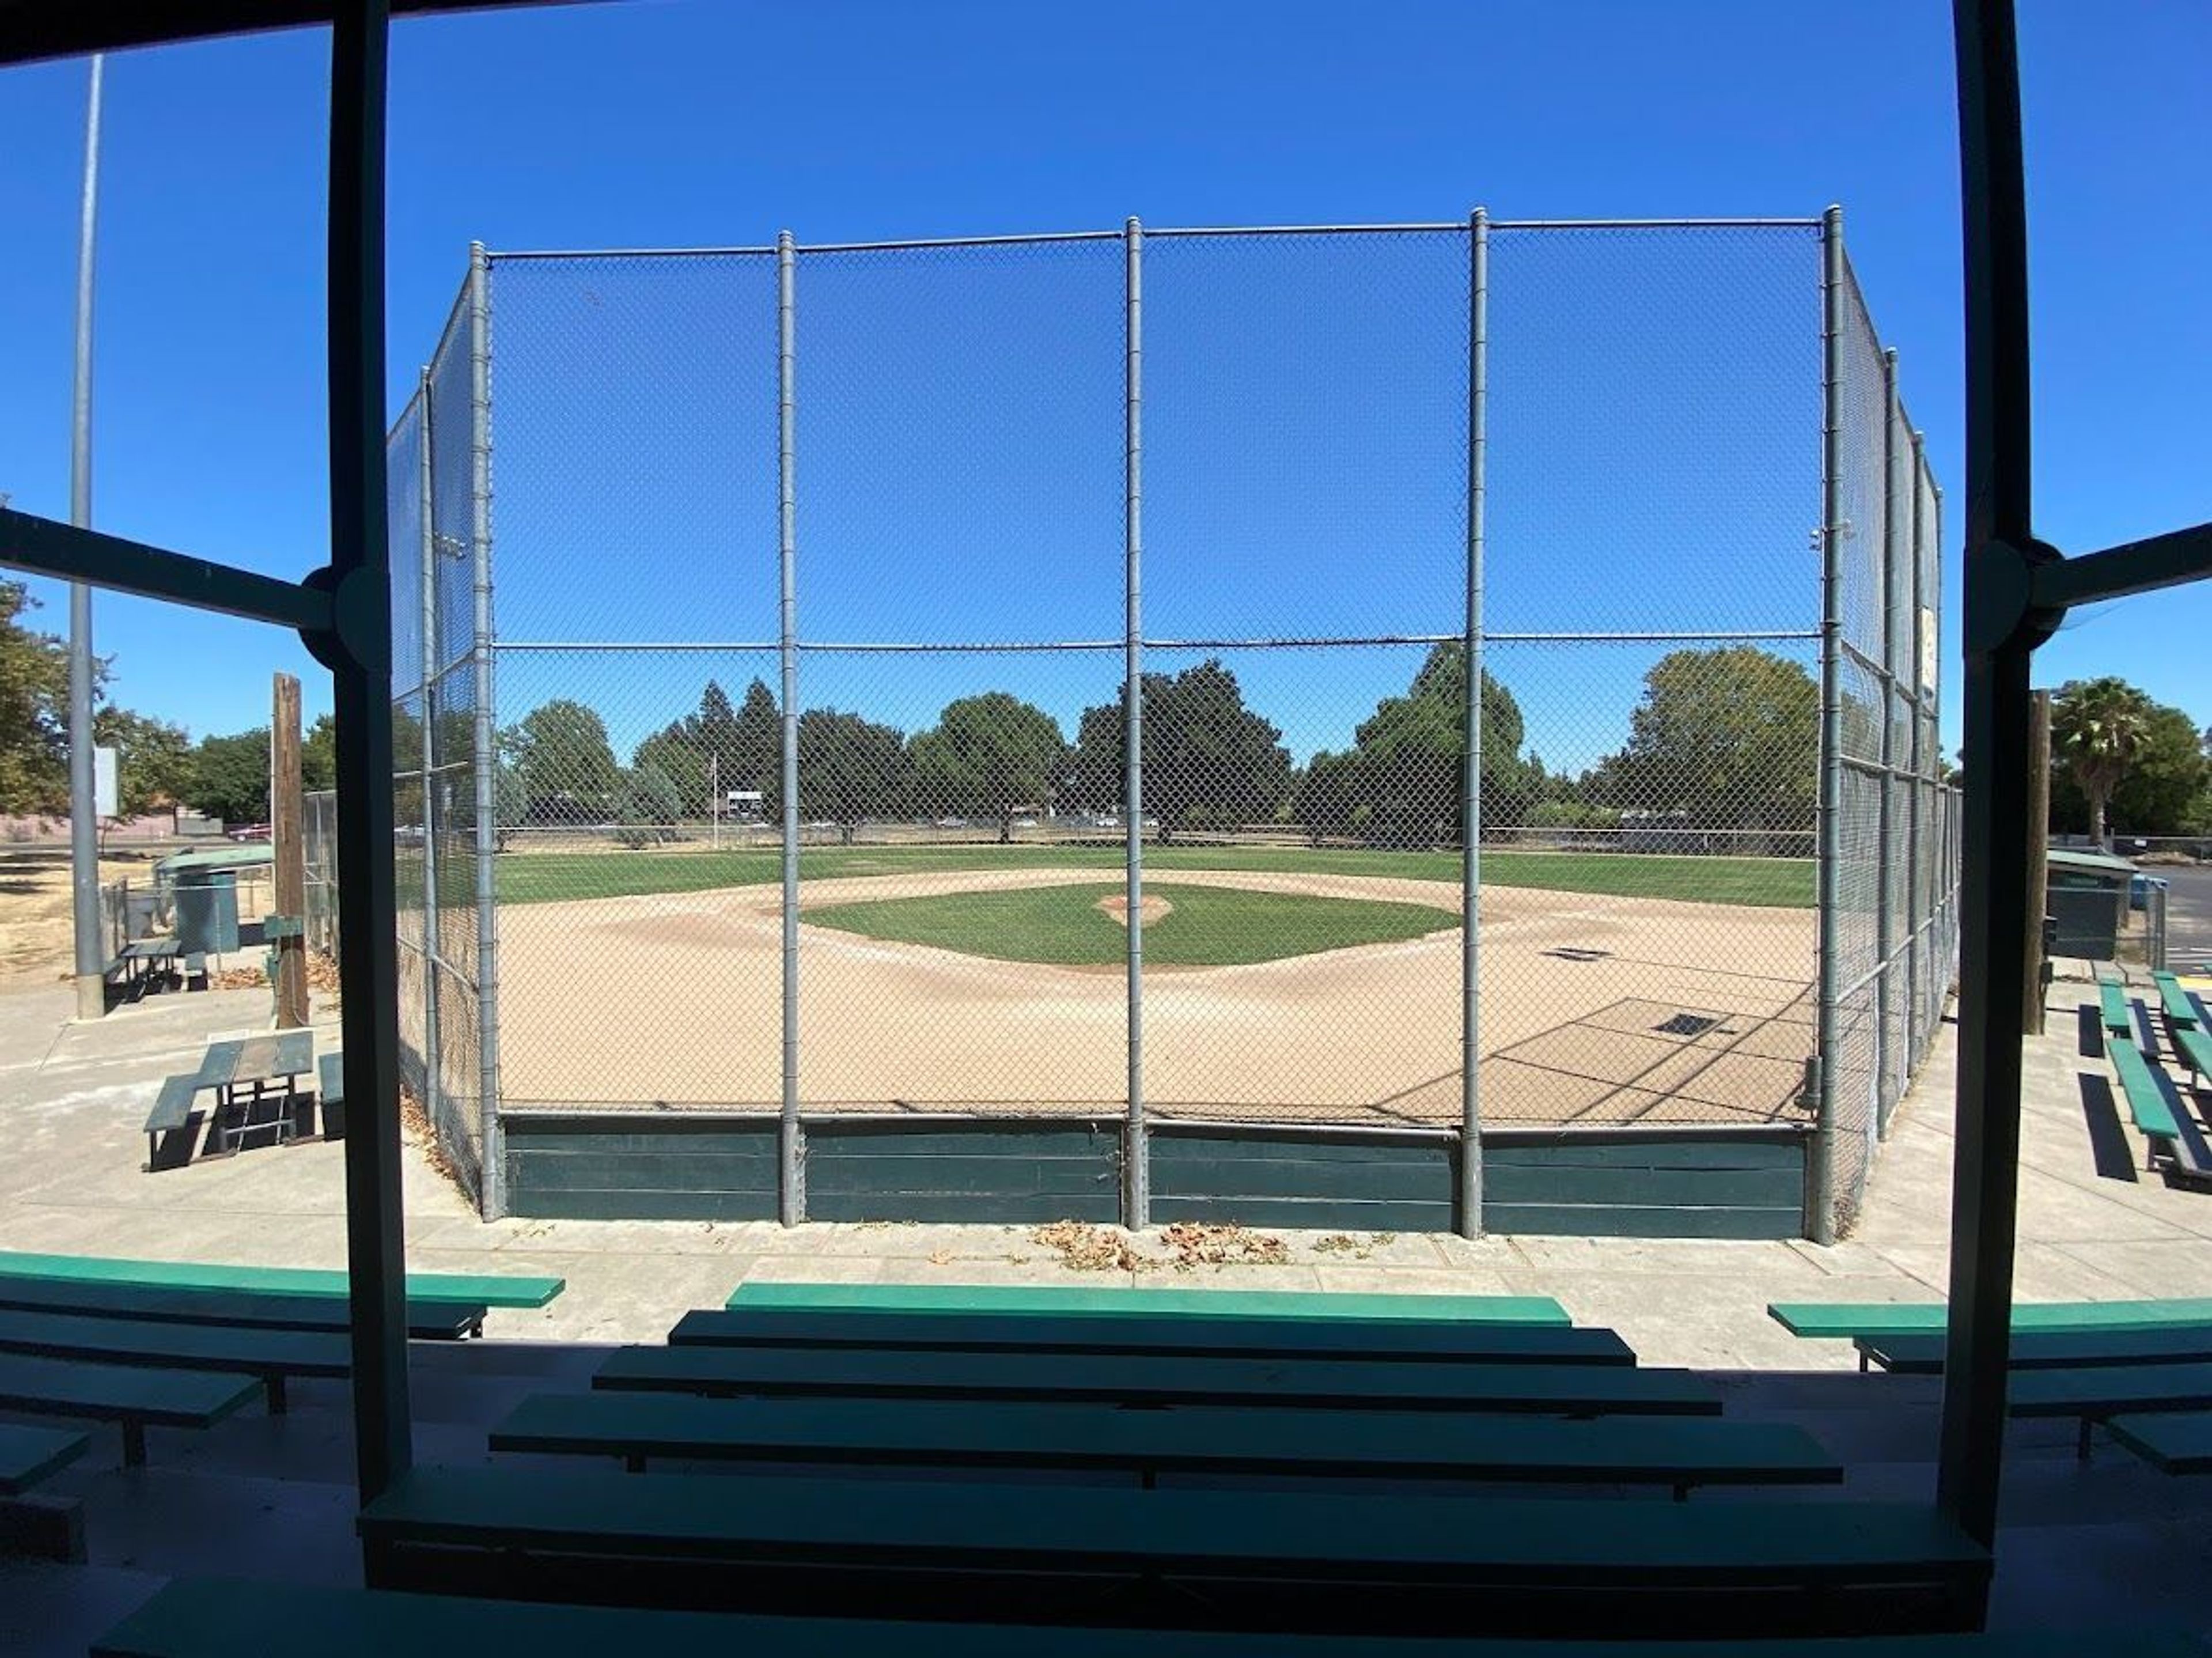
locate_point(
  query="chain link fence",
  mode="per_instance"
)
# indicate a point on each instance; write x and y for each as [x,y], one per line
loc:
[838,585]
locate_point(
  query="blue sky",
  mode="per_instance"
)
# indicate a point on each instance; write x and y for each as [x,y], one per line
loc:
[697,123]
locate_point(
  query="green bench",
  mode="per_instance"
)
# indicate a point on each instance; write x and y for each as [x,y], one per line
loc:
[2179,1442]
[1298,1561]
[2118,1019]
[243,1310]
[134,1397]
[2180,1012]
[490,1290]
[2194,1044]
[2146,1102]
[2047,1350]
[1848,1320]
[172,1115]
[1076,1300]
[28,1455]
[2099,1394]
[950,1437]
[201,1618]
[269,1356]
[1119,1378]
[1166,1333]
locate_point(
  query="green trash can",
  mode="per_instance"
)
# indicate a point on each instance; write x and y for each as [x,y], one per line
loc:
[2086,896]
[206,912]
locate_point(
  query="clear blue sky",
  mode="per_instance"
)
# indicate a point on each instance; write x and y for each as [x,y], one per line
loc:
[718,124]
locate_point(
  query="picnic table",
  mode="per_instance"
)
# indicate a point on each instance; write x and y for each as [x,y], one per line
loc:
[247,1071]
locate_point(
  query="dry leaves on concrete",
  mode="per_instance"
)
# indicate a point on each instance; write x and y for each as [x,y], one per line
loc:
[1083,1248]
[415,1123]
[1190,1244]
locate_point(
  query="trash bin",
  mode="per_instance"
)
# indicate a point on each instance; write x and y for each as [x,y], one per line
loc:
[207,911]
[2086,894]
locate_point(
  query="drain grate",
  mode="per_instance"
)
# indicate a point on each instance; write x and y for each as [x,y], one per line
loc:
[1568,954]
[1686,1024]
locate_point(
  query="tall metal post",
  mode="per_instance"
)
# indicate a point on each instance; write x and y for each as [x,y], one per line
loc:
[1136,1150]
[358,652]
[791,1145]
[1888,1068]
[491,1171]
[1478,440]
[1829,1040]
[1920,892]
[425,486]
[91,949]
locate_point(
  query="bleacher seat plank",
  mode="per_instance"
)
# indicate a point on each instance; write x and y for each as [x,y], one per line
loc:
[1076,1299]
[2113,1002]
[1149,1332]
[2175,1000]
[2147,1101]
[1849,1320]
[270,1355]
[1552,1389]
[1052,1553]
[135,1397]
[2096,1393]
[2047,1349]
[2179,1442]
[490,1290]
[1676,1452]
[29,1454]
[205,1617]
[244,1310]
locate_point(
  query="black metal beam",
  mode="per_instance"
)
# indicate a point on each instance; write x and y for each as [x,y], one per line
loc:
[34,29]
[2135,567]
[45,546]
[2002,629]
[359,654]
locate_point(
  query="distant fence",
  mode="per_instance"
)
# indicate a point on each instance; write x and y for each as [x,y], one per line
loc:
[864,612]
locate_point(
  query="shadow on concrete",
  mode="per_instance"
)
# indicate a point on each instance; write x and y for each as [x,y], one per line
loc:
[2108,1141]
[2089,1037]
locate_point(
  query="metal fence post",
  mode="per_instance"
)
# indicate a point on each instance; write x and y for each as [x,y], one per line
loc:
[1885,921]
[1920,867]
[1828,1037]
[491,1167]
[791,1145]
[1136,1151]
[1470,1113]
[426,485]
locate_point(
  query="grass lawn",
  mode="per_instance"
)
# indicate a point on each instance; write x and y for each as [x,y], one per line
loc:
[537,877]
[1207,927]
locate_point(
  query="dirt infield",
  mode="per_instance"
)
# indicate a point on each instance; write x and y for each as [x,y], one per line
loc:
[1593,1009]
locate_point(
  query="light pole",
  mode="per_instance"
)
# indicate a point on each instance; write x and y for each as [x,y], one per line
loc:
[84,824]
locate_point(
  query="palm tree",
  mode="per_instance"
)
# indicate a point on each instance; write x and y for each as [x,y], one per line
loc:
[2096,727]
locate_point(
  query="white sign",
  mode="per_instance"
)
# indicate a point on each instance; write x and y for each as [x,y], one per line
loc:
[104,795]
[1930,648]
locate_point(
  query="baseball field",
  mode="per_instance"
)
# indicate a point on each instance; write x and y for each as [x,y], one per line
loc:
[1280,983]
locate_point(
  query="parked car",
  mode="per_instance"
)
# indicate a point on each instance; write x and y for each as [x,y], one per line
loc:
[250,832]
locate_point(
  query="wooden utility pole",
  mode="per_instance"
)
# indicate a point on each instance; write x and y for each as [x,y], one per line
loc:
[288,845]
[2038,852]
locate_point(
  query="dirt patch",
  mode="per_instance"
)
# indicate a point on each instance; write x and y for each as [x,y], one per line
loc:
[36,932]
[1150,908]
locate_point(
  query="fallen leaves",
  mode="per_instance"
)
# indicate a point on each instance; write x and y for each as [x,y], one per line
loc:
[1190,1244]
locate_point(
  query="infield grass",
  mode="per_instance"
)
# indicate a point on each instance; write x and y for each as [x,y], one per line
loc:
[537,878]
[1063,925]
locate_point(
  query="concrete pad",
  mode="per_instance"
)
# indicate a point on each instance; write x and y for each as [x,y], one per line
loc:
[1361,1280]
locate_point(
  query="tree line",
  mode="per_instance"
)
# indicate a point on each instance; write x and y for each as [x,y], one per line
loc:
[1723,738]
[2123,764]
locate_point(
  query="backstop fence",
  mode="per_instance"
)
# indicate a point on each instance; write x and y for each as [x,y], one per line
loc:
[1052,724]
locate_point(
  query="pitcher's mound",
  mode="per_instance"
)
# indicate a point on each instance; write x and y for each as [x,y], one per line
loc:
[1153,907]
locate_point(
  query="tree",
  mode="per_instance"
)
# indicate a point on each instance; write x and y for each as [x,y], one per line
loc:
[1413,752]
[850,769]
[318,754]
[674,751]
[992,755]
[153,760]
[2097,731]
[1208,759]
[230,777]
[568,766]
[1727,738]
[1327,798]
[2166,770]
[33,709]
[648,806]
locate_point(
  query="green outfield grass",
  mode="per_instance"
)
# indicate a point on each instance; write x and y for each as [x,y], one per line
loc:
[537,878]
[1063,925]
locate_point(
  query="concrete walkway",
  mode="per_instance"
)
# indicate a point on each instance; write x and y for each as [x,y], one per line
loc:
[73,1096]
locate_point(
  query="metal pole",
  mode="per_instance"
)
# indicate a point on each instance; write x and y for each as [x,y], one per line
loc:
[491,1169]
[1136,1151]
[791,1144]
[358,652]
[84,815]
[1886,1060]
[2036,824]
[1478,440]
[425,487]
[1920,886]
[1828,1041]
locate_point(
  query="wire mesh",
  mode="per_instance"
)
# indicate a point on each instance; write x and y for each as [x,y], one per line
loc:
[975,462]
